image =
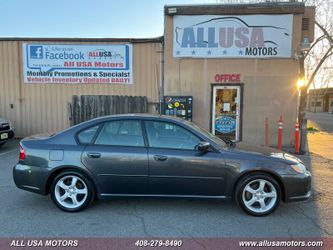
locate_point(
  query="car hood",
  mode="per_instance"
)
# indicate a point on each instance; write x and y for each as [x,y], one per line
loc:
[266,151]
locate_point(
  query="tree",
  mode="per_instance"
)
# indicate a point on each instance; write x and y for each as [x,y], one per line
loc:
[316,64]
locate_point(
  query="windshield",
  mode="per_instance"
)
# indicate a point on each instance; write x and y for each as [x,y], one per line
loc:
[209,135]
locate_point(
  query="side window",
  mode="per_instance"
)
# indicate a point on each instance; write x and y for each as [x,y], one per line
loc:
[121,133]
[168,135]
[87,135]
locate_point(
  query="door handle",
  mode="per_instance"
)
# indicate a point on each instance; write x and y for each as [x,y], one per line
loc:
[94,155]
[160,157]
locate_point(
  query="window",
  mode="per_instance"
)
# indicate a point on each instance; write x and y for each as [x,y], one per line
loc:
[168,135]
[121,133]
[86,136]
[316,104]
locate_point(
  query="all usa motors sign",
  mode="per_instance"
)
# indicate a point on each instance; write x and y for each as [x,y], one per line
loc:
[69,63]
[244,36]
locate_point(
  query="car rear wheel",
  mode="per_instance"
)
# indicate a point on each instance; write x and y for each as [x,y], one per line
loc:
[258,194]
[72,191]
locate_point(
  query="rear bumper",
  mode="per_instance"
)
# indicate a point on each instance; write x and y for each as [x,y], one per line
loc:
[30,178]
[297,187]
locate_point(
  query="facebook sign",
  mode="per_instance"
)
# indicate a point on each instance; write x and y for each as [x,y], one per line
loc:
[36,52]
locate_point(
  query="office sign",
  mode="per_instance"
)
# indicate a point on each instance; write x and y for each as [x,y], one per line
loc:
[243,36]
[77,63]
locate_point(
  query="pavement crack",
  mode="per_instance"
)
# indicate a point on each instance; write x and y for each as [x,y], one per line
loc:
[187,236]
[134,213]
[284,218]
[302,212]
[141,218]
[192,238]
[326,160]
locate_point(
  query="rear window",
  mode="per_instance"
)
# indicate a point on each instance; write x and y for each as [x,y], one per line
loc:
[86,136]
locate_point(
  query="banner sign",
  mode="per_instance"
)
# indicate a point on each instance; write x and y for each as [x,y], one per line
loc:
[77,63]
[244,36]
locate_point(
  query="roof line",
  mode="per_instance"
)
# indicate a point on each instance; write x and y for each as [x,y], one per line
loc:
[231,9]
[73,39]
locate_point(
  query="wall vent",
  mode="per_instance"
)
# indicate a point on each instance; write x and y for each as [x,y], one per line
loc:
[305,23]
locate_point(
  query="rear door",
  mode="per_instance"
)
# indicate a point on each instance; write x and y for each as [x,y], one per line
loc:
[118,157]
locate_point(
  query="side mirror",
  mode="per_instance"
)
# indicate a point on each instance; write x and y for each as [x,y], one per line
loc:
[203,146]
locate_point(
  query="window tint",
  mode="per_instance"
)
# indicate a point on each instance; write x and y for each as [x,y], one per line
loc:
[168,135]
[121,133]
[87,135]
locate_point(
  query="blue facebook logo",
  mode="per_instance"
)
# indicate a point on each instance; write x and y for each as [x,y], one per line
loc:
[36,52]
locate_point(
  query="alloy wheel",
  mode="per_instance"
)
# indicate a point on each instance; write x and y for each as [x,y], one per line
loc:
[71,191]
[259,196]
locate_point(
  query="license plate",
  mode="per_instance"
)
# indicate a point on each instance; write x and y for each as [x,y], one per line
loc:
[4,136]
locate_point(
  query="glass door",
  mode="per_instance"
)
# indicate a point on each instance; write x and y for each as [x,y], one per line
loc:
[226,112]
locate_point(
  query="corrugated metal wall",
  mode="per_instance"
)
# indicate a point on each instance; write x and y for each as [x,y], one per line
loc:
[39,108]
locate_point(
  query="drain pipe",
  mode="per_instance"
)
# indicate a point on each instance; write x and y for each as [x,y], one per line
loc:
[161,92]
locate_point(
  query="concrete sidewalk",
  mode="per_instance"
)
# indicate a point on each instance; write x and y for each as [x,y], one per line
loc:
[321,143]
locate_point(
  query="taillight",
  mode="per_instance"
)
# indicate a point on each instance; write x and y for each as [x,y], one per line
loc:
[22,154]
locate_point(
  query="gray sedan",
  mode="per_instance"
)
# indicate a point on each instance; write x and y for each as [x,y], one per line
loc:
[156,156]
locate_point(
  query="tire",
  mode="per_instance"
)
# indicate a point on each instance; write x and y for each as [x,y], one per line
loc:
[258,194]
[69,196]
[1,144]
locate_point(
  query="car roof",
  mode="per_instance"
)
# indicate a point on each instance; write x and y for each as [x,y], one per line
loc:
[138,116]
[62,136]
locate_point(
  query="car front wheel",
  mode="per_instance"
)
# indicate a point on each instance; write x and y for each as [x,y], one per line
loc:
[72,191]
[258,194]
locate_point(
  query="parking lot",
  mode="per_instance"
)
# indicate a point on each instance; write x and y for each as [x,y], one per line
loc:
[27,214]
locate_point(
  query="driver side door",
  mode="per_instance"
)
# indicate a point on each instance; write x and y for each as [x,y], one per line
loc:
[176,167]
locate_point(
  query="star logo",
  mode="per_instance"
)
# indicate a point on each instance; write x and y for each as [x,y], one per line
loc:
[209,52]
[240,52]
[225,52]
[193,52]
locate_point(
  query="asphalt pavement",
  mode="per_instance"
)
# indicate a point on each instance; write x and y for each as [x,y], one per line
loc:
[321,120]
[27,214]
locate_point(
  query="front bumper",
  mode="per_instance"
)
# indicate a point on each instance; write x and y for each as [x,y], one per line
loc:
[297,187]
[30,178]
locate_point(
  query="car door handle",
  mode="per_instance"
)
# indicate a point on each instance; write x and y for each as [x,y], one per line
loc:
[160,157]
[94,155]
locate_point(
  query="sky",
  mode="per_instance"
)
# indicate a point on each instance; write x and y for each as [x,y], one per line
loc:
[85,18]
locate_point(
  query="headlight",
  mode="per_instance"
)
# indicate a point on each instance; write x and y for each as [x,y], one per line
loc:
[299,168]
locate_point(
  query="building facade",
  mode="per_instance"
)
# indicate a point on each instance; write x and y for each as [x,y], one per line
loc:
[320,100]
[236,62]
